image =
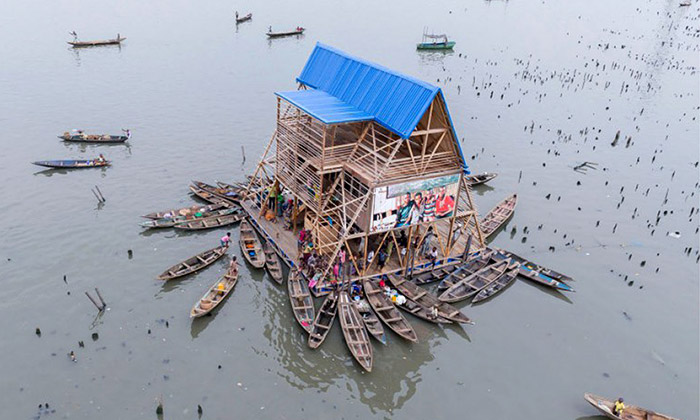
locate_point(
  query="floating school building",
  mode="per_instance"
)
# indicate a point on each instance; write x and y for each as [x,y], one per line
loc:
[370,162]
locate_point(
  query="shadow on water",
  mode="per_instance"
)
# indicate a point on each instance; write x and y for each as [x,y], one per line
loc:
[548,290]
[396,369]
[482,189]
[197,325]
[592,418]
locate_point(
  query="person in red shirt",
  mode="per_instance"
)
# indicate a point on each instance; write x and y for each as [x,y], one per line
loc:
[445,204]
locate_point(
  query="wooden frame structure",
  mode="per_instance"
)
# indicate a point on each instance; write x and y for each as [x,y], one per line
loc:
[336,174]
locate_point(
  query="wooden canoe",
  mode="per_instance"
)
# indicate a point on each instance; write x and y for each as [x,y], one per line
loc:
[498,215]
[423,312]
[250,245]
[387,312]
[237,188]
[245,18]
[272,263]
[214,296]
[207,196]
[287,33]
[631,412]
[72,164]
[436,45]
[172,221]
[372,323]
[196,263]
[356,336]
[301,300]
[428,301]
[185,211]
[530,272]
[499,285]
[466,269]
[227,194]
[115,41]
[480,178]
[323,321]
[473,284]
[93,138]
[535,267]
[210,222]
[433,275]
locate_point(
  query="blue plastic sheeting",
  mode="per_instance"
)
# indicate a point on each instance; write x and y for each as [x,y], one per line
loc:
[324,107]
[396,101]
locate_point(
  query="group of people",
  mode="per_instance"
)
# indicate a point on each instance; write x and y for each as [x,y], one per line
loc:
[424,206]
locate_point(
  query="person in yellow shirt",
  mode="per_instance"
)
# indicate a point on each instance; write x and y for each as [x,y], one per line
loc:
[618,406]
[221,288]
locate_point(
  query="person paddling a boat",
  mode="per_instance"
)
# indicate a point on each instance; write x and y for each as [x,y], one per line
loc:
[618,406]
[101,159]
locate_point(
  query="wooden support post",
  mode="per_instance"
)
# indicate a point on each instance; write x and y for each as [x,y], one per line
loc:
[465,255]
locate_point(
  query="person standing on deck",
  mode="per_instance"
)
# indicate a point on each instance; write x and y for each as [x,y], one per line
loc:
[381,259]
[457,233]
[341,262]
[433,257]
[425,248]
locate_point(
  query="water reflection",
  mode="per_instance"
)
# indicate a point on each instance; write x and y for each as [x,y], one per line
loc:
[482,189]
[281,40]
[397,367]
[64,171]
[432,57]
[77,51]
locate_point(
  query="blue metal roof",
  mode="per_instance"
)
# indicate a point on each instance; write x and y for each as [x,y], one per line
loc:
[325,107]
[350,89]
[395,100]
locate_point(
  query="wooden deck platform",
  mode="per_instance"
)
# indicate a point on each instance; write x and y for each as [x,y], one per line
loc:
[284,242]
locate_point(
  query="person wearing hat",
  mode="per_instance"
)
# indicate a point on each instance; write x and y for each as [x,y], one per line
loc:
[618,406]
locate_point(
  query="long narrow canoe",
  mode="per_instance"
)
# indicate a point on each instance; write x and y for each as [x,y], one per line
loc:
[498,215]
[196,263]
[225,193]
[250,245]
[473,284]
[428,301]
[287,33]
[631,412]
[434,275]
[536,267]
[466,269]
[97,43]
[93,138]
[214,295]
[324,320]
[272,263]
[387,312]
[436,45]
[423,312]
[172,221]
[480,178]
[372,323]
[300,297]
[245,18]
[354,332]
[185,211]
[207,196]
[499,285]
[531,273]
[209,222]
[72,164]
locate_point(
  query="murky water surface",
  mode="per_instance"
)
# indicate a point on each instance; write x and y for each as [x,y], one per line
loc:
[535,88]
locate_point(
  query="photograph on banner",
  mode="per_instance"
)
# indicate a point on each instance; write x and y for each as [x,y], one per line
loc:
[414,202]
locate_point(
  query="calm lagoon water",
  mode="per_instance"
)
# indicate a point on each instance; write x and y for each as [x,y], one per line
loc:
[534,87]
